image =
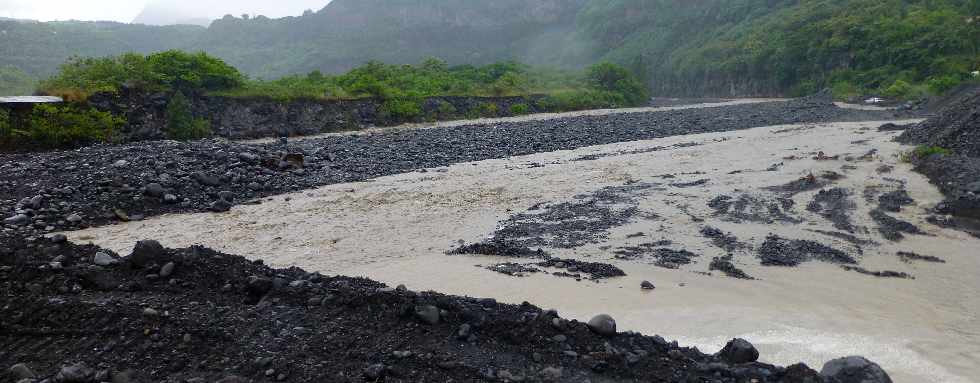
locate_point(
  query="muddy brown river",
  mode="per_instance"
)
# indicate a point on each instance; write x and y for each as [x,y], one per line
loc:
[398,229]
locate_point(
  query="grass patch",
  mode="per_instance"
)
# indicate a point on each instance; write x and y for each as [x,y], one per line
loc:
[924,151]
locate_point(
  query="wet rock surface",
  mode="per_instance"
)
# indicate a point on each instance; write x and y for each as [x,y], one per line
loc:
[223,318]
[853,369]
[834,205]
[754,208]
[84,187]
[879,274]
[892,228]
[778,251]
[725,265]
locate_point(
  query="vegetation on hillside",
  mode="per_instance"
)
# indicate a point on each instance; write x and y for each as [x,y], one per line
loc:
[902,48]
[715,47]
[14,82]
[402,88]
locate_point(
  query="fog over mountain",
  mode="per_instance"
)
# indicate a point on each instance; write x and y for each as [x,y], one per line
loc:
[170,12]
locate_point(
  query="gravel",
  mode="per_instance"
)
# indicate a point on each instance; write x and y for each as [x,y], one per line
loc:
[234,320]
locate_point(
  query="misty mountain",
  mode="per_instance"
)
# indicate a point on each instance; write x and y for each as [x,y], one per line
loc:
[168,13]
[703,47]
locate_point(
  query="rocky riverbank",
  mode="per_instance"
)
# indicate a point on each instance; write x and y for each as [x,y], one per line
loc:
[47,192]
[83,314]
[956,129]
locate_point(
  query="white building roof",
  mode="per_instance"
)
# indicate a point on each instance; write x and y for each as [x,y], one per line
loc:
[29,99]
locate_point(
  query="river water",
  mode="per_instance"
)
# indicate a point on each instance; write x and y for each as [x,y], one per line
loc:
[397,229]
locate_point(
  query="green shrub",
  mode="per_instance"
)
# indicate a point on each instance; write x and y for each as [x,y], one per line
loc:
[924,151]
[446,109]
[616,79]
[488,110]
[164,71]
[181,124]
[845,90]
[61,126]
[402,108]
[942,84]
[520,109]
[899,90]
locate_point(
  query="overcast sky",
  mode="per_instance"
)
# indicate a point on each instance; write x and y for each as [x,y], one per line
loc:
[126,10]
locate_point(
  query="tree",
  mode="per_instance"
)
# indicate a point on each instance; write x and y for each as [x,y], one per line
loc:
[616,79]
[181,124]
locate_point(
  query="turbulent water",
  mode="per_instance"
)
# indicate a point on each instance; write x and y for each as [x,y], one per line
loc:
[398,229]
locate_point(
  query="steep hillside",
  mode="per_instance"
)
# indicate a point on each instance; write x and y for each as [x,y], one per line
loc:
[899,48]
[39,48]
[348,33]
[770,47]
[337,38]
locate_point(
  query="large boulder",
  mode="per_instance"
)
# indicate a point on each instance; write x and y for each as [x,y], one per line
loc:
[603,324]
[854,369]
[148,252]
[739,351]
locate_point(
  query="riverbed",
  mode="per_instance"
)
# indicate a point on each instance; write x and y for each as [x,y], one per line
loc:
[397,229]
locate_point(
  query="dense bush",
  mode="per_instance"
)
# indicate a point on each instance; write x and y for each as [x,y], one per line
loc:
[520,109]
[60,126]
[181,124]
[616,79]
[158,72]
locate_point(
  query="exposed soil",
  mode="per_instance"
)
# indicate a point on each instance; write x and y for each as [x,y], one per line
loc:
[45,192]
[79,314]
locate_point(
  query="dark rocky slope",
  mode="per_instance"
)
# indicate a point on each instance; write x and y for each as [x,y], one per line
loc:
[957,175]
[80,314]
